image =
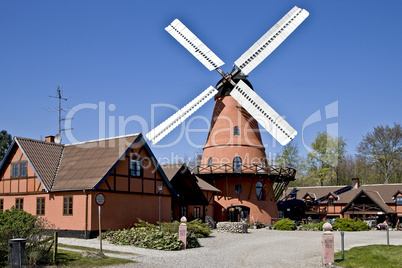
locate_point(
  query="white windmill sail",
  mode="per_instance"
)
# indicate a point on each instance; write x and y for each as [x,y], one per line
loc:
[263,113]
[271,40]
[194,45]
[172,122]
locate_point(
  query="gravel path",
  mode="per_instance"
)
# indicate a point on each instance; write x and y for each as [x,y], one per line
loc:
[258,248]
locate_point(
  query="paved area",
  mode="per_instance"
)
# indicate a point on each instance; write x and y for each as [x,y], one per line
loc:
[258,248]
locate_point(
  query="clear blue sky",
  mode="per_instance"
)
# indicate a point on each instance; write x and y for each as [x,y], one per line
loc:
[117,55]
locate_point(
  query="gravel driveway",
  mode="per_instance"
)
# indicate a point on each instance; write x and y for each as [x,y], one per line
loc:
[258,248]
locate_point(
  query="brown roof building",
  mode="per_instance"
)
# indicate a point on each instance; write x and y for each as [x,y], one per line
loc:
[376,203]
[60,182]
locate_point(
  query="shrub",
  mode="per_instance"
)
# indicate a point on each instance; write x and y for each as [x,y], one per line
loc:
[348,224]
[285,225]
[199,228]
[142,223]
[20,224]
[259,225]
[317,226]
[145,237]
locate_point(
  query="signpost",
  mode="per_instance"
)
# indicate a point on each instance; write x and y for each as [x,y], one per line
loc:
[100,201]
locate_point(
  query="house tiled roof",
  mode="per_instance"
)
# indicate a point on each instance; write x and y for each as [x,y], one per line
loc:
[205,186]
[44,158]
[83,165]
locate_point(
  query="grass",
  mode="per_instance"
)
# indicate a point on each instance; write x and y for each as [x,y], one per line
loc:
[74,259]
[93,249]
[371,256]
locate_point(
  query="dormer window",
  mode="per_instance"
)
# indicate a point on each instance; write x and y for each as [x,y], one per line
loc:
[330,201]
[399,200]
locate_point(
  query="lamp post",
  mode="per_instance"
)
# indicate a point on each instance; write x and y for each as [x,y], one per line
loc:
[160,186]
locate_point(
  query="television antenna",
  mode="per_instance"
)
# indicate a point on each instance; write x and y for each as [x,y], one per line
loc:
[60,109]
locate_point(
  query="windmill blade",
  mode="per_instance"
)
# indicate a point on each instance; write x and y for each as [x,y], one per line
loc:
[172,122]
[271,40]
[194,45]
[263,113]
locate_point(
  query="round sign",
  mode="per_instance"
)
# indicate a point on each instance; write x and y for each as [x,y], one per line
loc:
[100,199]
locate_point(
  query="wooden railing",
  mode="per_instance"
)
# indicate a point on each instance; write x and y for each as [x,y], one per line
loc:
[277,171]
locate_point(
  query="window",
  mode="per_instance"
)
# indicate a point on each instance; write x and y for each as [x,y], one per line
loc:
[23,169]
[19,170]
[236,131]
[19,203]
[14,171]
[238,188]
[183,212]
[40,206]
[68,205]
[399,200]
[197,212]
[330,201]
[259,190]
[135,167]
[1,205]
[210,161]
[237,164]
[262,162]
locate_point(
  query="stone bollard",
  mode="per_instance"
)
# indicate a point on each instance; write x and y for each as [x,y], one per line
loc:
[327,244]
[183,231]
[16,255]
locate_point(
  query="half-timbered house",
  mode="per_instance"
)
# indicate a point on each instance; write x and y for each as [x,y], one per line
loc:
[59,182]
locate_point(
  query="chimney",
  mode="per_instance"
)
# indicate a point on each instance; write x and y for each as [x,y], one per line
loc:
[355,183]
[49,139]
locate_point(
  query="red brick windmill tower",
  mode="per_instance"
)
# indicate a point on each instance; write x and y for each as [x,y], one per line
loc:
[234,157]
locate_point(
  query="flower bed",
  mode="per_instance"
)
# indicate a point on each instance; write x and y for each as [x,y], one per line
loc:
[145,237]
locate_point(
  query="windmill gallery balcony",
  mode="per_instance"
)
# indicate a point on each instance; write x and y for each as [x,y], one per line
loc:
[280,176]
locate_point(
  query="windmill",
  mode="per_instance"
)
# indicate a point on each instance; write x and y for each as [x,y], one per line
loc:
[234,158]
[241,92]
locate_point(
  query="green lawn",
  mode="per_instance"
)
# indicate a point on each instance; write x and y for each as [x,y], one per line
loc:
[74,259]
[371,256]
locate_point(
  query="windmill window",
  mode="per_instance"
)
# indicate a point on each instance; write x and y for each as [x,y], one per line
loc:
[262,162]
[259,190]
[210,161]
[236,131]
[237,164]
[238,189]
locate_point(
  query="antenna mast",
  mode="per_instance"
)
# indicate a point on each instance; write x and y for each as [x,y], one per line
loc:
[58,96]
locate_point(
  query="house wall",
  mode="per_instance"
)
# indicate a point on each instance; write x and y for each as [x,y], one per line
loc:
[20,185]
[265,210]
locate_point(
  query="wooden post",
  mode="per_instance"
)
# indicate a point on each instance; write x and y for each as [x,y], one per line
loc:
[55,248]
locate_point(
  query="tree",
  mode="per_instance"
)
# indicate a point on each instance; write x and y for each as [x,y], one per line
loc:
[289,156]
[382,150]
[5,142]
[323,160]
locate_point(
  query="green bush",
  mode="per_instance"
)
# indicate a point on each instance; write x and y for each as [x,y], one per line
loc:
[20,224]
[285,225]
[317,226]
[348,224]
[142,223]
[259,225]
[145,237]
[199,228]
